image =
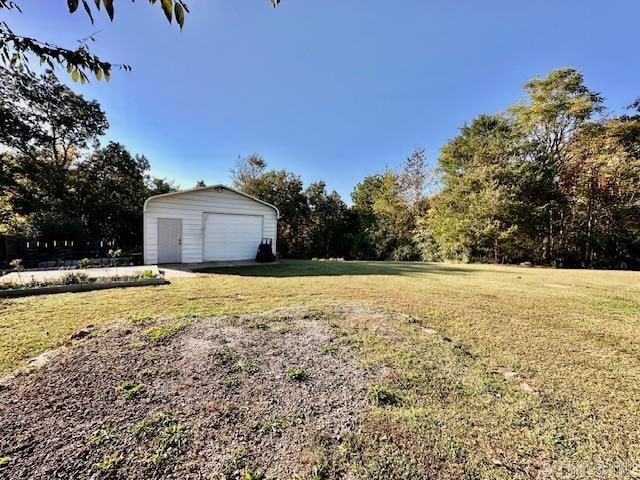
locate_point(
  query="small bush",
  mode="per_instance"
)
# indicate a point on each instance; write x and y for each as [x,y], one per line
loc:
[84,263]
[147,273]
[9,285]
[115,254]
[4,460]
[72,278]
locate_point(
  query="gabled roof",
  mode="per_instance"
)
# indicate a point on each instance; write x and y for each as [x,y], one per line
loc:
[211,187]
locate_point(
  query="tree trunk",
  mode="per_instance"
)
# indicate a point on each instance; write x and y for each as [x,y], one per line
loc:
[589,249]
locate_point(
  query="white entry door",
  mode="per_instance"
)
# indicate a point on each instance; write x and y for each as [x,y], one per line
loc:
[169,240]
[231,237]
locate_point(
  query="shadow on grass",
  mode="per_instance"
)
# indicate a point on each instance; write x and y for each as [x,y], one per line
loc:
[307,268]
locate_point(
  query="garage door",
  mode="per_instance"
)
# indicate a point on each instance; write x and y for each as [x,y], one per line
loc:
[231,237]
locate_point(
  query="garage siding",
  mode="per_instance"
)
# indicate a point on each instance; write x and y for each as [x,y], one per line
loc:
[191,207]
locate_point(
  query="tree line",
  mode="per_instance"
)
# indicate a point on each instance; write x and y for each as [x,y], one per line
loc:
[554,179]
[56,181]
[380,224]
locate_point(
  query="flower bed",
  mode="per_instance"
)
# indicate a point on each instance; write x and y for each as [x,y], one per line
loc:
[78,282]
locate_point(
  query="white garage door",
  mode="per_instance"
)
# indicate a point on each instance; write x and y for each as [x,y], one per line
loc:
[231,237]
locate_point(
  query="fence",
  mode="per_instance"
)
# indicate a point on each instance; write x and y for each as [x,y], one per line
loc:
[10,248]
[40,253]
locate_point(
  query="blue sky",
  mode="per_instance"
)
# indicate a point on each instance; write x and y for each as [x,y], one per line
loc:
[331,89]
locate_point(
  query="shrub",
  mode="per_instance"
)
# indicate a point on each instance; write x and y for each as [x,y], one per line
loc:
[84,263]
[9,285]
[73,278]
[16,264]
[115,254]
[147,273]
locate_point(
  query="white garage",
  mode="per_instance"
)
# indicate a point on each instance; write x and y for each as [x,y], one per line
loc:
[208,224]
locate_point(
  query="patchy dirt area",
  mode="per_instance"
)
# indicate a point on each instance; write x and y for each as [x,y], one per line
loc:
[270,395]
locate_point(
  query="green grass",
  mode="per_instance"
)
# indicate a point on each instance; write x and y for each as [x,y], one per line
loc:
[108,462]
[162,333]
[245,365]
[129,389]
[573,336]
[297,374]
[379,396]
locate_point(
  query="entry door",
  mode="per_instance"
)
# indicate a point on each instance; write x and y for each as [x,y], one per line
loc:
[169,240]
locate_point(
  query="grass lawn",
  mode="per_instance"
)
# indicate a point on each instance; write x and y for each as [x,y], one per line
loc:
[530,373]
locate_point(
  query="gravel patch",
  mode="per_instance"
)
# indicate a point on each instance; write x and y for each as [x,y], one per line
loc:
[273,394]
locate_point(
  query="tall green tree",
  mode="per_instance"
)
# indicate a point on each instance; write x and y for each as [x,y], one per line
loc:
[158,186]
[330,223]
[549,182]
[386,221]
[556,107]
[283,189]
[416,179]
[476,213]
[45,128]
[110,190]
[602,188]
[247,172]
[44,119]
[313,222]
[51,185]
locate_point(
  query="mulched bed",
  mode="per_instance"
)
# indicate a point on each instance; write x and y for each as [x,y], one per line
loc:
[272,394]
